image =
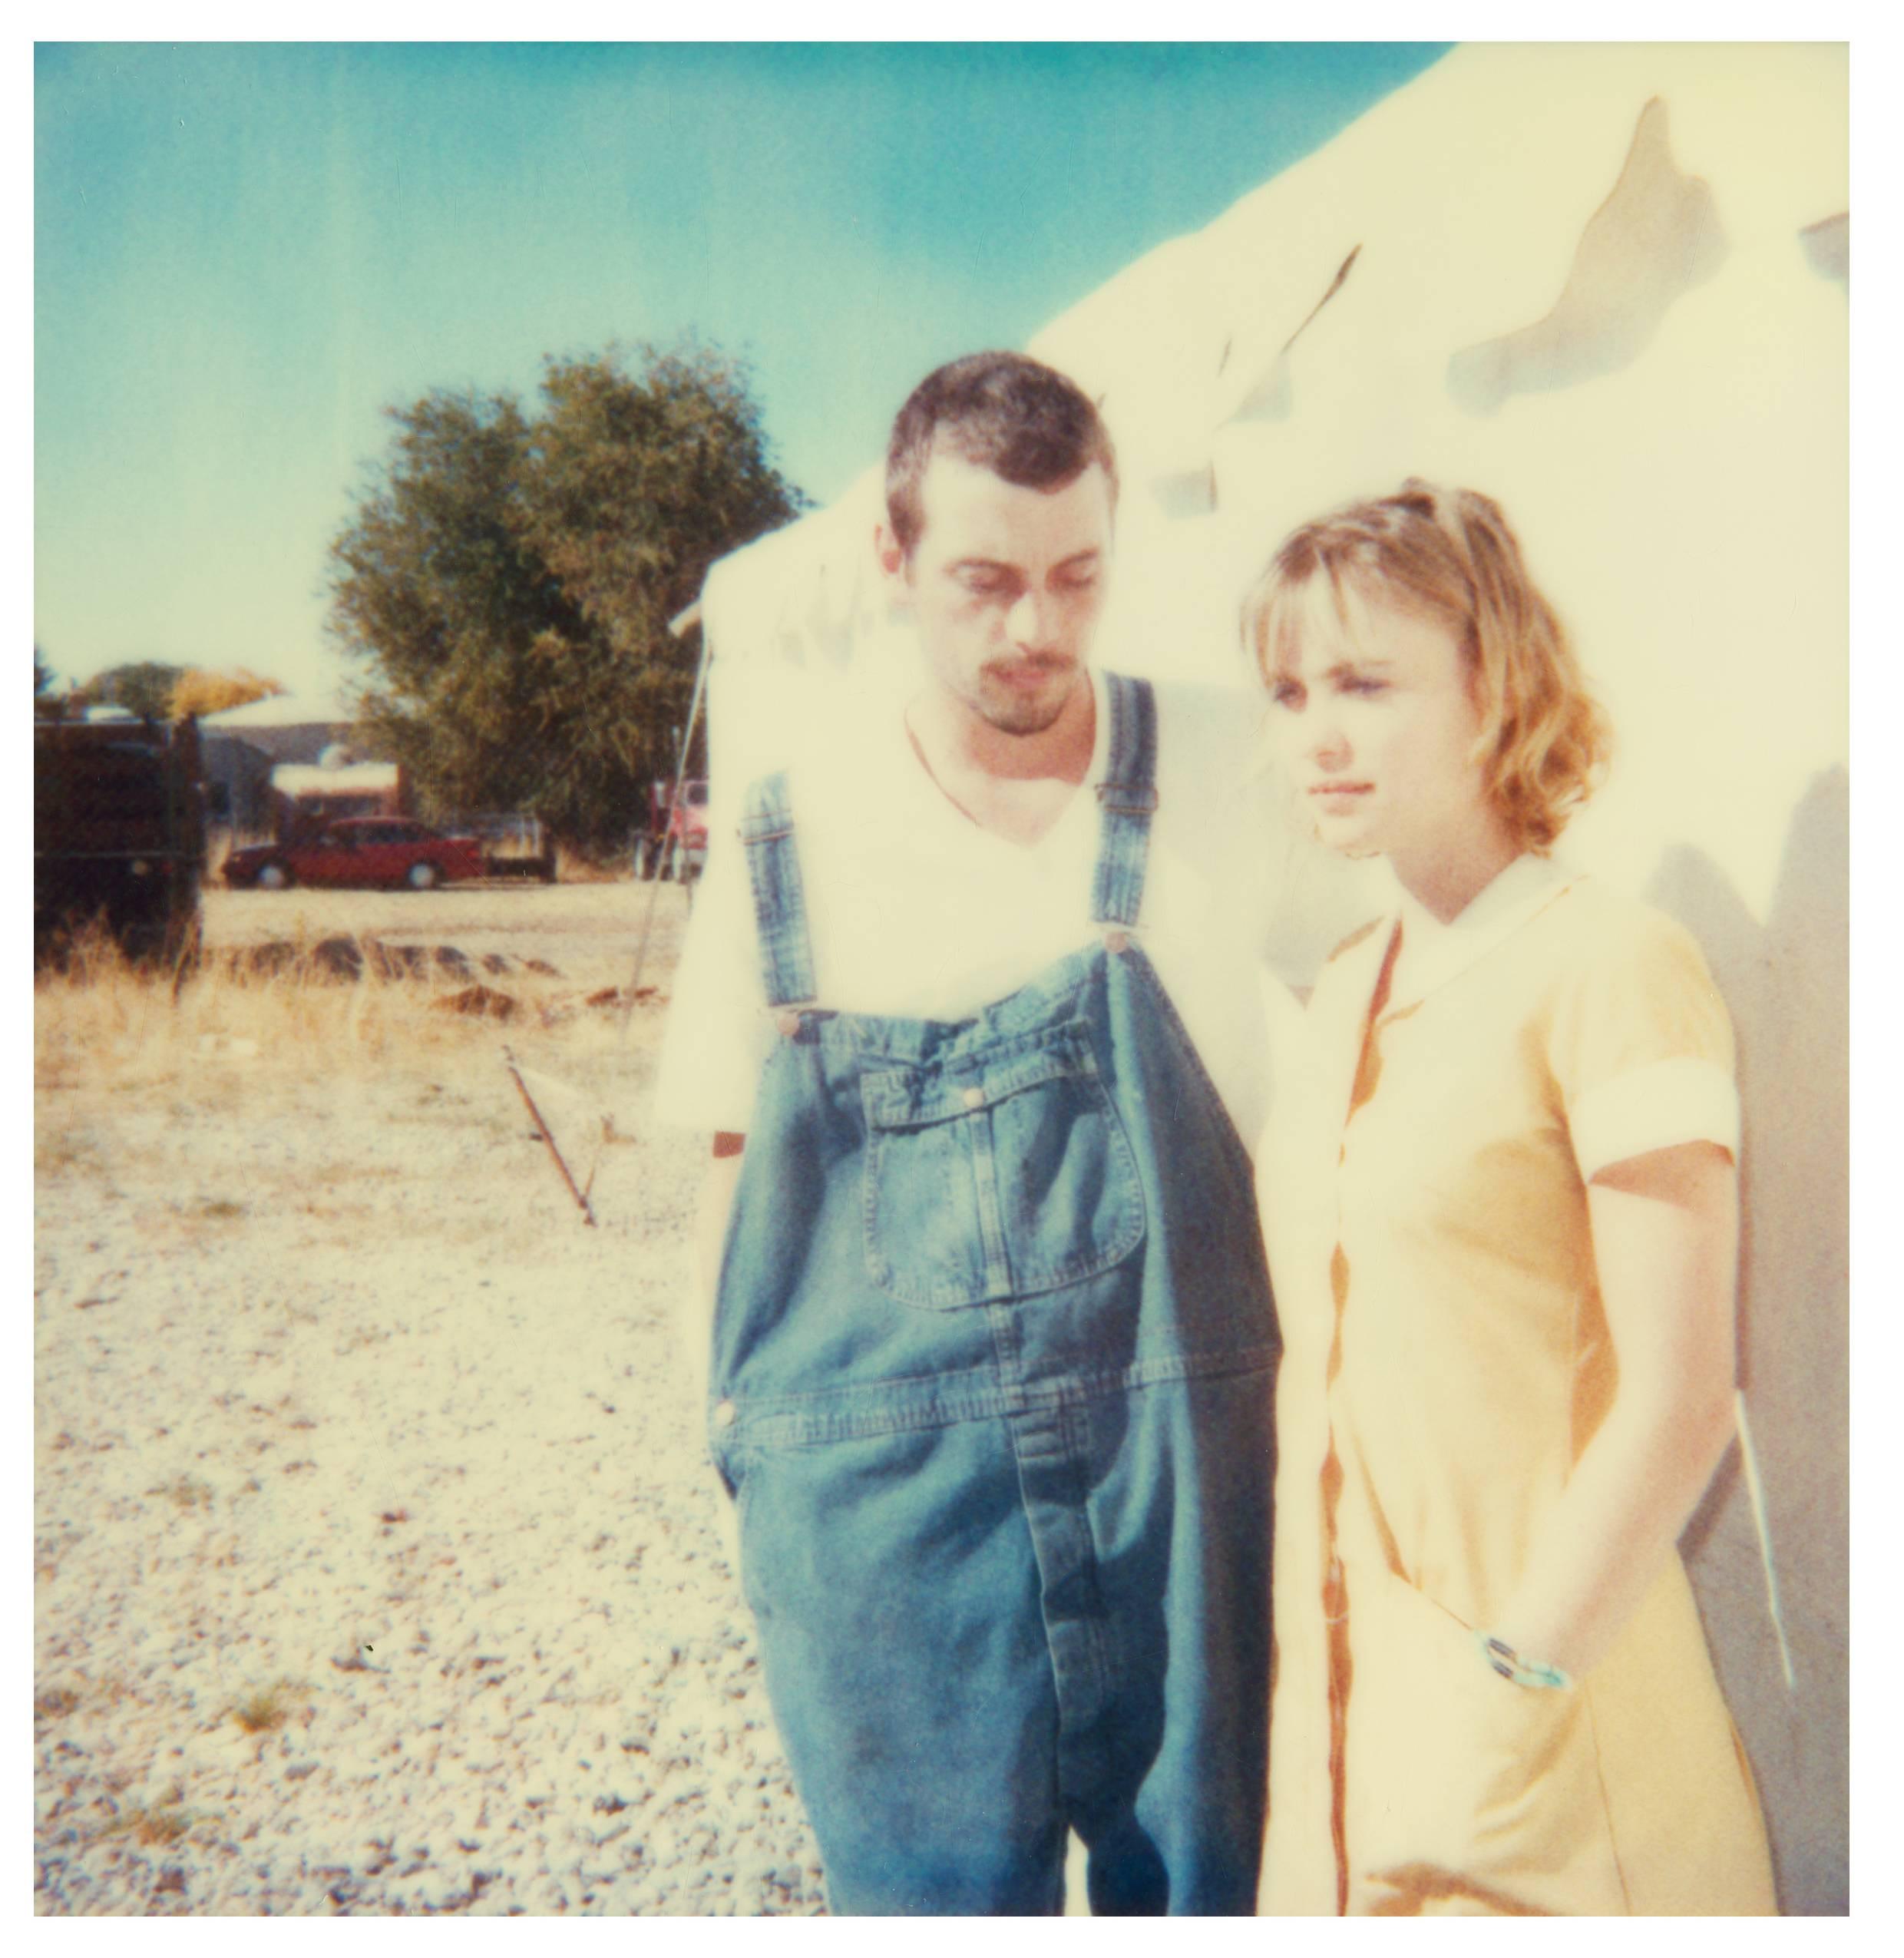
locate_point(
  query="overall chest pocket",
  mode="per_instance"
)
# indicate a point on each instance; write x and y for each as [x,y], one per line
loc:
[993,1176]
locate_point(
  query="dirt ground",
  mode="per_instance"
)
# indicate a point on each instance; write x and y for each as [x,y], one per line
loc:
[376,1569]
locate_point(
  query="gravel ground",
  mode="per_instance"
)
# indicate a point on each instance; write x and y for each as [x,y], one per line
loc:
[376,1569]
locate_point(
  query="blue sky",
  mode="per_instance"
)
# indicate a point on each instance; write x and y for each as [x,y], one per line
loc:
[243,252]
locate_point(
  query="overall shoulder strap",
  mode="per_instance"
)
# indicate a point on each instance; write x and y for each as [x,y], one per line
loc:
[1127,797]
[780,909]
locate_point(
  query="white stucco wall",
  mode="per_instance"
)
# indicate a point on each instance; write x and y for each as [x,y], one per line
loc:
[1629,324]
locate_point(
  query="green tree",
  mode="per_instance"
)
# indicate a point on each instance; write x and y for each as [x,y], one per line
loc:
[142,686]
[47,704]
[508,580]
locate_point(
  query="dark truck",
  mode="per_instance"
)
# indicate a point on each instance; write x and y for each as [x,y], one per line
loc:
[118,833]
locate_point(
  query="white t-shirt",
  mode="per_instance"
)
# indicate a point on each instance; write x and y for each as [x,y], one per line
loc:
[914,910]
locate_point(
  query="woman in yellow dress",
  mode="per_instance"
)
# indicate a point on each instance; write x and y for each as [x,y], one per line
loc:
[1503,1225]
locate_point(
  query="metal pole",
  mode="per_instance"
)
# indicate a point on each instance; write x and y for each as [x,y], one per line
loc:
[542,1130]
[674,805]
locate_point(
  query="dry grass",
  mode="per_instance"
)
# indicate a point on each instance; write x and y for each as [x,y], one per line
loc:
[267,1710]
[101,1022]
[62,1151]
[162,1827]
[250,1093]
[185,1492]
[101,1015]
[573,868]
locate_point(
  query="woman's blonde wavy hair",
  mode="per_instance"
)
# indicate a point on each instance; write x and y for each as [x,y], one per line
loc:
[1449,554]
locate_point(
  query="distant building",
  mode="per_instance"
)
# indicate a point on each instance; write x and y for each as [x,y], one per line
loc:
[238,792]
[313,794]
[280,766]
[289,727]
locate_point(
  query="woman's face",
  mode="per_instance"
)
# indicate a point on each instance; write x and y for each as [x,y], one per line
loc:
[1378,727]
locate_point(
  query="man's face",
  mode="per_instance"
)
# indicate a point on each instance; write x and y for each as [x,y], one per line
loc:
[1007,585]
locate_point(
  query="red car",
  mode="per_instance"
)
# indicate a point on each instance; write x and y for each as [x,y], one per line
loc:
[384,850]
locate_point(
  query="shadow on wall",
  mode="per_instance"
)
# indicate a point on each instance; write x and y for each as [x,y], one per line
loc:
[1788,985]
[1656,237]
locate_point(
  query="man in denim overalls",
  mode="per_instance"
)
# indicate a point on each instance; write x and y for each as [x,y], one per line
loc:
[994,1344]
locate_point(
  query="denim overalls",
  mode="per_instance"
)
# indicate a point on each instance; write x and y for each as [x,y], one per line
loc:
[991,1384]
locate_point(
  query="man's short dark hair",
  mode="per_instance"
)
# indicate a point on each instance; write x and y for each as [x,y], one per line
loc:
[1020,419]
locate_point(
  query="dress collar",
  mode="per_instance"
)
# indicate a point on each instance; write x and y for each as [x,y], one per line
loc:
[1432,953]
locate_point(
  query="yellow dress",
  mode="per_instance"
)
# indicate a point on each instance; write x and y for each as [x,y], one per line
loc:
[1446,1360]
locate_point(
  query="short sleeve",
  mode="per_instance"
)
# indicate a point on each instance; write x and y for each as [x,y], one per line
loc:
[1641,1044]
[717,1036]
